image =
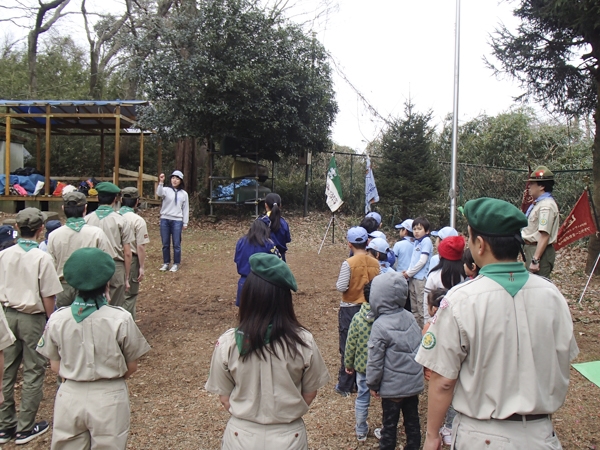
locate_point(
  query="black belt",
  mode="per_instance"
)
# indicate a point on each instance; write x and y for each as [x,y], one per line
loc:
[519,418]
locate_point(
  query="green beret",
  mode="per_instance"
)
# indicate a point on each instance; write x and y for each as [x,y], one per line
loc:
[130,192]
[107,188]
[88,268]
[31,218]
[75,199]
[493,217]
[541,173]
[273,270]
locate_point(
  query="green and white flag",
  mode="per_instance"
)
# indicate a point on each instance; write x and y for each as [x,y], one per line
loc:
[333,187]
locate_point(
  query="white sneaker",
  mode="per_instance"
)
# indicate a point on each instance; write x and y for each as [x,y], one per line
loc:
[446,435]
[164,268]
[175,268]
[377,433]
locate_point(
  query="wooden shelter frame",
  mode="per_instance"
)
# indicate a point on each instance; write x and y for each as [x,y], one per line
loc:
[74,118]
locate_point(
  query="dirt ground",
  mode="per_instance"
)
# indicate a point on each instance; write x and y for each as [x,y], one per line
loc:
[182,314]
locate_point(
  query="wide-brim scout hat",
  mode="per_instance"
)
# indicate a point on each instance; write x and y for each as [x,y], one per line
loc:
[31,218]
[273,270]
[541,173]
[107,188]
[75,199]
[130,192]
[88,268]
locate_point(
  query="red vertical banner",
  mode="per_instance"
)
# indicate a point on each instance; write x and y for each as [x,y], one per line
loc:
[527,199]
[579,224]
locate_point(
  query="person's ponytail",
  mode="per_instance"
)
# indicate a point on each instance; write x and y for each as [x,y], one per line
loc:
[273,201]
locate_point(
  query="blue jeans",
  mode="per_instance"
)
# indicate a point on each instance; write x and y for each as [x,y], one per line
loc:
[171,229]
[361,406]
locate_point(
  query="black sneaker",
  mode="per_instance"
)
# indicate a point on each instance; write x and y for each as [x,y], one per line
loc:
[24,437]
[7,435]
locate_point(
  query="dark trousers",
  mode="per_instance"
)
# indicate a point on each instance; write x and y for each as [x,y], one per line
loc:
[391,415]
[345,382]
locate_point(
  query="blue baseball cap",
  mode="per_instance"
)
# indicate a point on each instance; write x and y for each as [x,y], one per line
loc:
[375,216]
[6,233]
[357,235]
[377,234]
[445,232]
[378,244]
[52,225]
[407,225]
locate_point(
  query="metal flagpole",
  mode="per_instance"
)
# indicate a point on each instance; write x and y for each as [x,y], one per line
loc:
[326,231]
[589,278]
[455,119]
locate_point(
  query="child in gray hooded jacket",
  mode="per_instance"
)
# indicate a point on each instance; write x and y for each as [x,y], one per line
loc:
[392,372]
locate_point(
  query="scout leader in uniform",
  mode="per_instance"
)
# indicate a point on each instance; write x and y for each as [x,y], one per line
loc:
[76,234]
[94,347]
[501,343]
[28,284]
[542,223]
[267,370]
[130,200]
[120,236]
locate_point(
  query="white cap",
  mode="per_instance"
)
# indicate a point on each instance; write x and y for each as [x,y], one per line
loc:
[177,173]
[377,234]
[376,216]
[407,225]
[379,245]
[444,233]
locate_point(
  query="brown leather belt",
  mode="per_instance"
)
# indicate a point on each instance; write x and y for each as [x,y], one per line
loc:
[519,418]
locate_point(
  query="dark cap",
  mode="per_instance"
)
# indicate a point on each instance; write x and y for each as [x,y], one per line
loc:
[75,198]
[493,217]
[107,188]
[31,218]
[52,225]
[273,270]
[88,268]
[130,192]
[541,173]
[6,233]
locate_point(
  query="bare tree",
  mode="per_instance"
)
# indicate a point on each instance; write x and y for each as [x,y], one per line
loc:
[41,26]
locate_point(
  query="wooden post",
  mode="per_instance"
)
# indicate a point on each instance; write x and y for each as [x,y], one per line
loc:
[7,158]
[38,151]
[159,159]
[141,168]
[47,168]
[117,144]
[102,152]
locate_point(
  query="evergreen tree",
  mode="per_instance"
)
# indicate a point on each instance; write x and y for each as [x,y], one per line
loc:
[407,176]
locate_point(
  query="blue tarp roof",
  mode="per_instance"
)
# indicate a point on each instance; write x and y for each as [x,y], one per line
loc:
[81,113]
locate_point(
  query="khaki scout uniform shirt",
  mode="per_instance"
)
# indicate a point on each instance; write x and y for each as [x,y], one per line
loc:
[117,230]
[266,391]
[543,217]
[139,229]
[99,347]
[508,355]
[6,335]
[64,241]
[26,277]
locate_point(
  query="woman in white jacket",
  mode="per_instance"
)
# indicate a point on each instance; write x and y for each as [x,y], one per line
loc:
[174,216]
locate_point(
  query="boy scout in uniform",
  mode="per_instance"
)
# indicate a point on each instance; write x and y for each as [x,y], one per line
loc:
[130,200]
[74,235]
[28,284]
[501,343]
[120,238]
[94,347]
[542,223]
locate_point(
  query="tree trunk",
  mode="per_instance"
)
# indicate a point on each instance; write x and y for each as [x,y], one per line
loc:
[95,88]
[186,160]
[32,41]
[594,245]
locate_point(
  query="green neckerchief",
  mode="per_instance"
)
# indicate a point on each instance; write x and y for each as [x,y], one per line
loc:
[125,210]
[81,309]
[75,223]
[242,342]
[511,276]
[103,211]
[27,244]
